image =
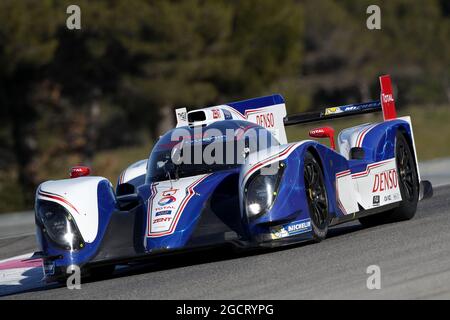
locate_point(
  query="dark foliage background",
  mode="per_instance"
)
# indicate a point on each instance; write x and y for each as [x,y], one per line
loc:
[66,96]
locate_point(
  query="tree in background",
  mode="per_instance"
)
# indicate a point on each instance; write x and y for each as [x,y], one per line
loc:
[343,58]
[66,94]
[27,45]
[195,53]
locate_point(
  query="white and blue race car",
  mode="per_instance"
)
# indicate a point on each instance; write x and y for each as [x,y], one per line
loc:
[227,174]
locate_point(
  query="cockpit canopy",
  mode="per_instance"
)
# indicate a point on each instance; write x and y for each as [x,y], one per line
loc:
[189,151]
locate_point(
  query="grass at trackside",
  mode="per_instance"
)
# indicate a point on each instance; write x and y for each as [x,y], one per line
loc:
[431,130]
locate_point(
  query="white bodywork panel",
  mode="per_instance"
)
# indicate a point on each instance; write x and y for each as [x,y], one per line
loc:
[265,158]
[352,137]
[377,186]
[79,197]
[346,193]
[166,204]
[271,118]
[365,194]
[135,170]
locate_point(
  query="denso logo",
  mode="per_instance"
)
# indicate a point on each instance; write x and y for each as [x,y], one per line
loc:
[385,181]
[265,120]
[387,98]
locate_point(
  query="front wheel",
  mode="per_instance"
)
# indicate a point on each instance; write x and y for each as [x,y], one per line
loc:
[316,196]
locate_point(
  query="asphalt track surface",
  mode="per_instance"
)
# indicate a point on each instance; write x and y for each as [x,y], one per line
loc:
[413,256]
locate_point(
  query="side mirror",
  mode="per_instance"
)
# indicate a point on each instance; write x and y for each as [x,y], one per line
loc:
[127,197]
[128,201]
[79,171]
[324,132]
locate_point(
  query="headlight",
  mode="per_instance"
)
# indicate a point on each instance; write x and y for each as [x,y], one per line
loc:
[59,225]
[261,191]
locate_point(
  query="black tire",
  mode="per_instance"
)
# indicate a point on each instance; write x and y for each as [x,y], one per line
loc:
[409,187]
[316,196]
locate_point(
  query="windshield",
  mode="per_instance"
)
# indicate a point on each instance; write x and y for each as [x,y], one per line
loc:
[224,145]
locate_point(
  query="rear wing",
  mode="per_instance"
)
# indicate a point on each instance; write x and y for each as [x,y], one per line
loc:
[386,104]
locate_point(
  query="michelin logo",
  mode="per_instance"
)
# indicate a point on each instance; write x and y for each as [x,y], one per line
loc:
[291,229]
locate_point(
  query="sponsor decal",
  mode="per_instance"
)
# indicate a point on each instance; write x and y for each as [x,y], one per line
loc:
[227,114]
[392,197]
[317,131]
[49,267]
[350,108]
[333,110]
[167,197]
[182,115]
[376,200]
[163,213]
[266,120]
[159,220]
[216,113]
[291,229]
[159,225]
[164,208]
[387,98]
[386,180]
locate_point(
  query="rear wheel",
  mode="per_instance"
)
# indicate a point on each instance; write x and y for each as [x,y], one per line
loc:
[408,183]
[316,196]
